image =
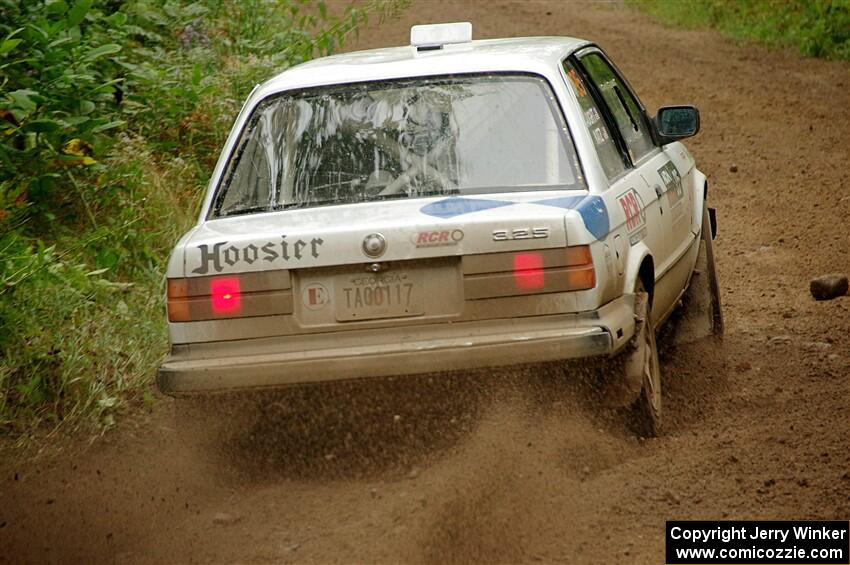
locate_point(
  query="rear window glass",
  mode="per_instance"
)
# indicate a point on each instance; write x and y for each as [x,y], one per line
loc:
[399,139]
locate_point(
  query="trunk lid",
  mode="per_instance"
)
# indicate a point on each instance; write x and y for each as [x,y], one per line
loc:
[416,228]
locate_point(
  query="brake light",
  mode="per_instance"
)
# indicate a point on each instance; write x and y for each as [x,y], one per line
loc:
[177,301]
[528,271]
[195,299]
[583,278]
[225,295]
[580,273]
[578,255]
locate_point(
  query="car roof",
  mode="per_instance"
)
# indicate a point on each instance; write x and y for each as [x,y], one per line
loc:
[521,54]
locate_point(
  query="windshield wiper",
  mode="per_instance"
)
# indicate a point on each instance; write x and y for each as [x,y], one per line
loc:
[377,197]
[250,210]
[310,203]
[393,196]
[451,192]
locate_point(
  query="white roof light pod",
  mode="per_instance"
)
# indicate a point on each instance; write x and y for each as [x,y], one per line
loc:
[434,36]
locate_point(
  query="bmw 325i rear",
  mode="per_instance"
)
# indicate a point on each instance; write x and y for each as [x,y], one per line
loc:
[387,227]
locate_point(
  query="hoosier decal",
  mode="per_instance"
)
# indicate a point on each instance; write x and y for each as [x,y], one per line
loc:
[220,254]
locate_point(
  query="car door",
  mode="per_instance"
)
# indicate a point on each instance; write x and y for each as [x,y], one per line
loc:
[629,198]
[663,199]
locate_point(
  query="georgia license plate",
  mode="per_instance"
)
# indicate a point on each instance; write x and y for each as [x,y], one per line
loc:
[378,295]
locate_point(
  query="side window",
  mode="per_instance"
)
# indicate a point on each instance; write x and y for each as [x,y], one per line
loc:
[621,103]
[609,155]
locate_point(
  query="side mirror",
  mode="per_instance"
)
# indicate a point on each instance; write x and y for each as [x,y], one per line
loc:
[673,123]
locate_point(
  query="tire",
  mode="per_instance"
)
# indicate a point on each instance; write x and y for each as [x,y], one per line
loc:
[642,358]
[700,315]
[707,247]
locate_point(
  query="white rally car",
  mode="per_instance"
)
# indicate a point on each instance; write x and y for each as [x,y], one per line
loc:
[451,204]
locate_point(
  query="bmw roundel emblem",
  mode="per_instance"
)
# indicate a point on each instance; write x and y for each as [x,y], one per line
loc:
[374,245]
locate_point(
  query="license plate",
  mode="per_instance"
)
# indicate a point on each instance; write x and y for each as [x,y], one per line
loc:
[368,296]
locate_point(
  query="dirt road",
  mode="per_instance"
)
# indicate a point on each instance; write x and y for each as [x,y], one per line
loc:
[518,467]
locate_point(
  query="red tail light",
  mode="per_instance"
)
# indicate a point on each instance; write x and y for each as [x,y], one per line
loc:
[538,271]
[528,271]
[195,299]
[225,295]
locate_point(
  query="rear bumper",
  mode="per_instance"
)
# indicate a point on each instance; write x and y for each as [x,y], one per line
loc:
[292,360]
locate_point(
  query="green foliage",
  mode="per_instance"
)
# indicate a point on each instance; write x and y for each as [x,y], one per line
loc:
[818,28]
[112,113]
[64,331]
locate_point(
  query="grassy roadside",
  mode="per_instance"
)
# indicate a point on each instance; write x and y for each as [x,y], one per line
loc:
[817,28]
[112,113]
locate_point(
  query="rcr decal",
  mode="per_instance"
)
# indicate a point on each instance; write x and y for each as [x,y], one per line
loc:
[520,233]
[673,182]
[437,238]
[635,212]
[220,254]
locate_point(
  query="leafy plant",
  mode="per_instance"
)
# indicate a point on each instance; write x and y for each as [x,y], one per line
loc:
[112,113]
[818,28]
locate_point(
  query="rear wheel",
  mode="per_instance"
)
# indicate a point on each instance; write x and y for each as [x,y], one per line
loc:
[641,362]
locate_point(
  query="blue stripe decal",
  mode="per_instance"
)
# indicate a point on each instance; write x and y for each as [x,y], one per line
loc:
[592,209]
[457,206]
[566,202]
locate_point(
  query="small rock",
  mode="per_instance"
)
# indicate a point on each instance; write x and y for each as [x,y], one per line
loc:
[833,356]
[396,418]
[828,287]
[585,470]
[292,547]
[770,482]
[743,367]
[224,519]
[373,492]
[780,340]
[414,473]
[671,497]
[803,482]
[733,168]
[329,456]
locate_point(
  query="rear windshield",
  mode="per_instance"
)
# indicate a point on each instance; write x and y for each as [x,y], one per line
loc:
[469,134]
